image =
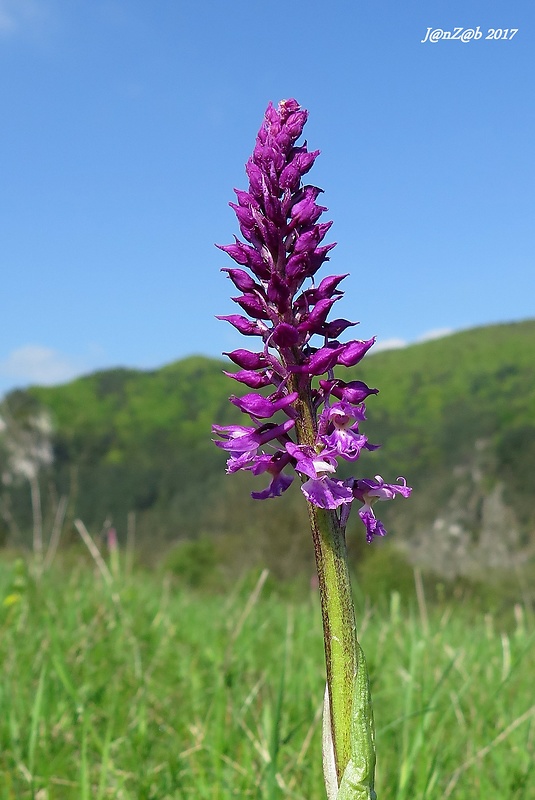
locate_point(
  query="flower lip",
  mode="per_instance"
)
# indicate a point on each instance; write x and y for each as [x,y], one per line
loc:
[326,493]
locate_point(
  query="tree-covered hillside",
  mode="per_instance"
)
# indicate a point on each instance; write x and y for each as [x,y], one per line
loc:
[456,416]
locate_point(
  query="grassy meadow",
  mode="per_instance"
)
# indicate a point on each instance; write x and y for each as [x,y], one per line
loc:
[126,684]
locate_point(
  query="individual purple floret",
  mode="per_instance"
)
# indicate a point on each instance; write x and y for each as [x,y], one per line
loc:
[369,492]
[279,220]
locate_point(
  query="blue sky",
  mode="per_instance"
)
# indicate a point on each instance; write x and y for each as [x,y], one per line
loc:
[126,125]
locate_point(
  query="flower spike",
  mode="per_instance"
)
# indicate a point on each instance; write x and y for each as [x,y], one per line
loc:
[280,221]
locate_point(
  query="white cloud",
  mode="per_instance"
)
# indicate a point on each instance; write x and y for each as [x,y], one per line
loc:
[19,14]
[388,344]
[34,363]
[436,333]
[395,343]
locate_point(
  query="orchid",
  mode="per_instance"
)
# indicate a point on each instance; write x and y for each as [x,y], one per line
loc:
[314,415]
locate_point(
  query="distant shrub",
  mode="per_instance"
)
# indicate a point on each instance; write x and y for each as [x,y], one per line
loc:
[195,563]
[383,570]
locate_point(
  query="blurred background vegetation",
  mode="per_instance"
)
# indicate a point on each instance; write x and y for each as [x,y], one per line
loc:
[132,450]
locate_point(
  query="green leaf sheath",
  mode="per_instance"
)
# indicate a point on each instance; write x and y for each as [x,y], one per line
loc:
[358,780]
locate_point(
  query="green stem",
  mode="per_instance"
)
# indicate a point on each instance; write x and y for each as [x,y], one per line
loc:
[339,627]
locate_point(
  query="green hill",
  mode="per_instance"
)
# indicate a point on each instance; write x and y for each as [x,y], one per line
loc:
[456,416]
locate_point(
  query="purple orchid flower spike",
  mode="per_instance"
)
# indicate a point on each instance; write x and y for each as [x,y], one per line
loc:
[306,419]
[279,220]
